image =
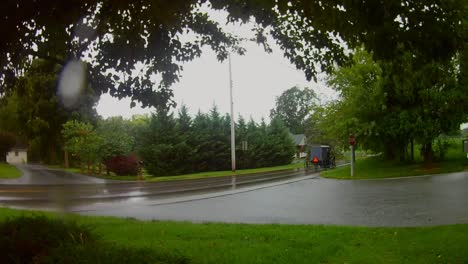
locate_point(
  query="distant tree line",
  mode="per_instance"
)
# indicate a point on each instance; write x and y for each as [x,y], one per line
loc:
[168,143]
[173,145]
[86,145]
[177,145]
[33,114]
[394,107]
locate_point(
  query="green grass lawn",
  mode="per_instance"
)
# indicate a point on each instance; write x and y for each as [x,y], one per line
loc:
[199,175]
[8,171]
[377,167]
[73,170]
[112,176]
[224,173]
[242,243]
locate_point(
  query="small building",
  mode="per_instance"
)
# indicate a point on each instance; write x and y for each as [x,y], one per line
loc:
[17,155]
[300,141]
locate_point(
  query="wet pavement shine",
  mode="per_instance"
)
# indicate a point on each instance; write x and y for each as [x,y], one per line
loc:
[40,175]
[300,197]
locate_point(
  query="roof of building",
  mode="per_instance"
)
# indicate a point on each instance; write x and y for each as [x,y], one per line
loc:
[299,139]
[19,146]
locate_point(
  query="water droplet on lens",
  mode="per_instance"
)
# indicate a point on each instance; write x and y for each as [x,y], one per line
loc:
[71,83]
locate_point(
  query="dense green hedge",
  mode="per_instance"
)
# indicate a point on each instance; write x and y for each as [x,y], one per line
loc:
[172,146]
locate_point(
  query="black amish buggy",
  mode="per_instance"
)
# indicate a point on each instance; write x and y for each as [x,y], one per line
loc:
[320,156]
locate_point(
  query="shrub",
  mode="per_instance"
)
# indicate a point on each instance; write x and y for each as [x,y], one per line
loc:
[44,240]
[123,165]
[30,239]
[441,147]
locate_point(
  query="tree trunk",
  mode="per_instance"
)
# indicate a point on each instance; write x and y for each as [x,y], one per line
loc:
[107,168]
[428,154]
[52,158]
[412,149]
[65,157]
[403,152]
[390,151]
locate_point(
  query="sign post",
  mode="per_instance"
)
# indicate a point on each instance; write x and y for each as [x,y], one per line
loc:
[352,142]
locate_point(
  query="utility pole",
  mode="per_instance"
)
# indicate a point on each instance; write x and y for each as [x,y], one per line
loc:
[233,135]
[352,160]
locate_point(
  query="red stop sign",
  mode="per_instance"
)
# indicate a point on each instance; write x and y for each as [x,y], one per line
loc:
[352,140]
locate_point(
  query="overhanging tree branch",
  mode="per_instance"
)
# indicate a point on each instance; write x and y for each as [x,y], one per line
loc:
[44,56]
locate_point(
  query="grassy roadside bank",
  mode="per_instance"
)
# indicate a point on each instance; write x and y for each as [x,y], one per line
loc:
[376,167]
[242,243]
[225,173]
[192,176]
[8,171]
[101,176]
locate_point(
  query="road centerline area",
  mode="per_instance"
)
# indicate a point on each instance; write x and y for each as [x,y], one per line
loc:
[293,197]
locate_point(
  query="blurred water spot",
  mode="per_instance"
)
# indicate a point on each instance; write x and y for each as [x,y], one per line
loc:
[71,83]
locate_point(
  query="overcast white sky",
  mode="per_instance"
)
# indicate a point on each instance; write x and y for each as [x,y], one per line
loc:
[258,78]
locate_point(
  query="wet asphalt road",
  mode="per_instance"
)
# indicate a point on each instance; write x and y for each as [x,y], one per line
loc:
[301,198]
[37,174]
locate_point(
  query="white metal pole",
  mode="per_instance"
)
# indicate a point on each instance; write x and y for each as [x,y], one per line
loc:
[352,160]
[233,136]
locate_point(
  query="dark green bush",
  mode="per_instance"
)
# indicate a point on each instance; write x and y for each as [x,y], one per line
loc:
[173,146]
[29,239]
[44,240]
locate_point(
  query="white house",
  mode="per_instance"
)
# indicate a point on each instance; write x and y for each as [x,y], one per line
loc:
[300,141]
[17,155]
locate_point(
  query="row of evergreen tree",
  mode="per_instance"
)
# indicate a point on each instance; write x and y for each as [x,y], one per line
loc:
[172,145]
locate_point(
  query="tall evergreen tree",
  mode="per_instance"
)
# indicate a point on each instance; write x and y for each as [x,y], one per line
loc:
[281,147]
[184,125]
[241,136]
[200,139]
[163,150]
[173,146]
[219,141]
